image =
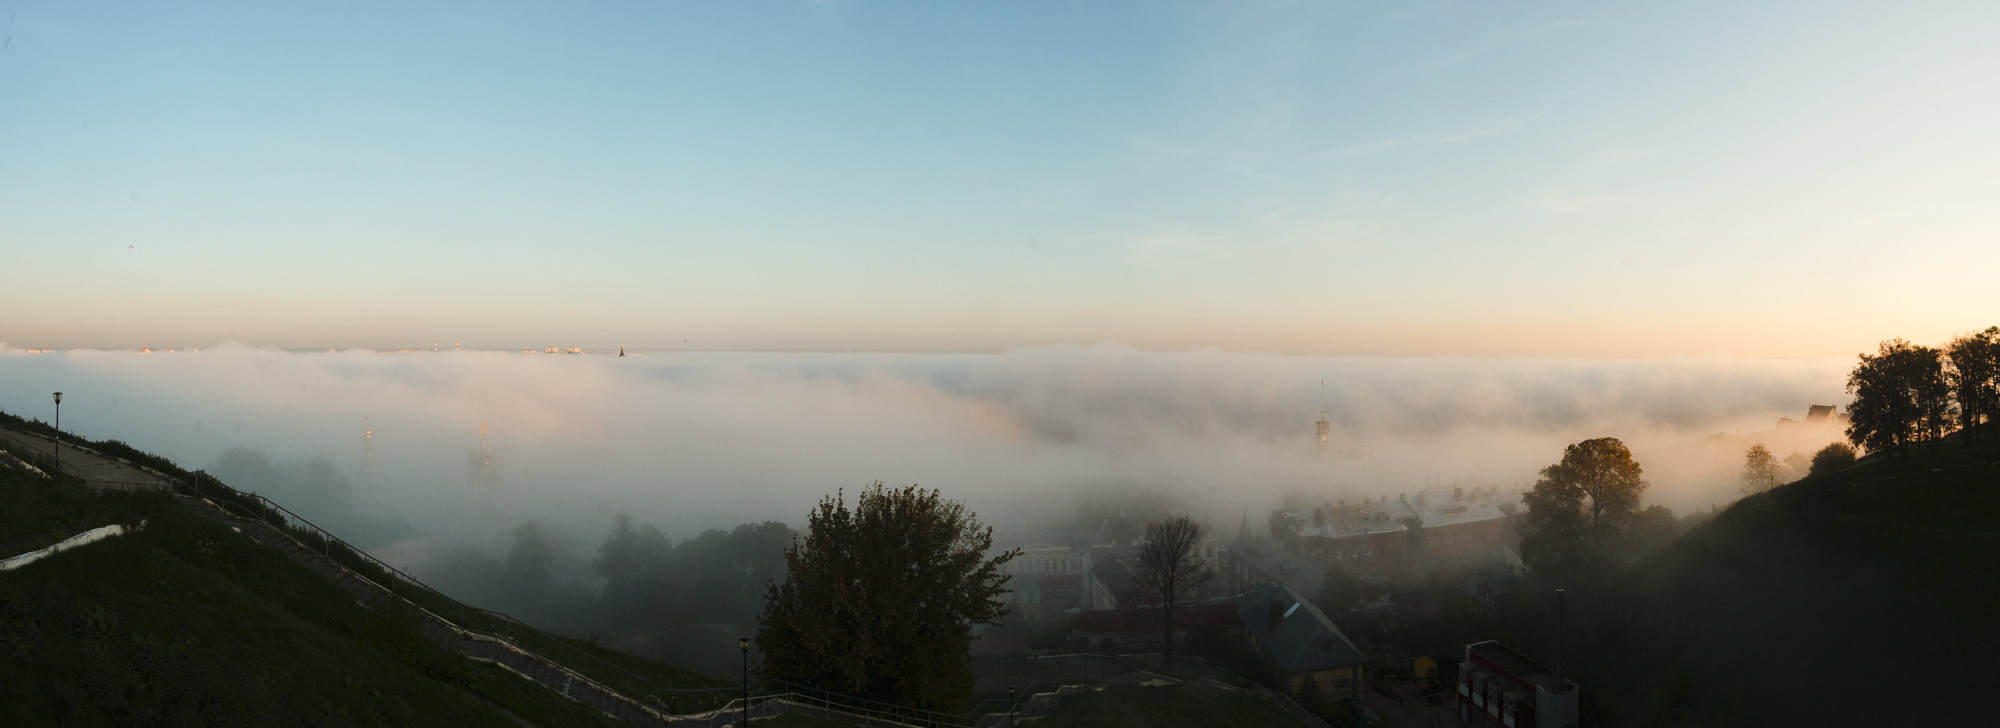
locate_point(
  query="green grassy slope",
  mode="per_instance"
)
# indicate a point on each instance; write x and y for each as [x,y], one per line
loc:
[57,513]
[1866,595]
[189,623]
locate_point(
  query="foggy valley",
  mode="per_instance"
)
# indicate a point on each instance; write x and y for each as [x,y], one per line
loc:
[821,363]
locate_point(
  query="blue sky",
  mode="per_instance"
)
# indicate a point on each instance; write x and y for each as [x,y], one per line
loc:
[1671,178]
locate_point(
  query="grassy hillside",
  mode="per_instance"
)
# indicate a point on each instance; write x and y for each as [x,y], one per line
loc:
[60,515]
[190,623]
[1860,596]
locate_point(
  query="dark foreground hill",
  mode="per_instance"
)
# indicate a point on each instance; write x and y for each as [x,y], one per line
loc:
[1866,596]
[207,618]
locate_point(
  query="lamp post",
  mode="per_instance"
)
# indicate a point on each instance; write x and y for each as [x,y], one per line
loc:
[58,432]
[744,642]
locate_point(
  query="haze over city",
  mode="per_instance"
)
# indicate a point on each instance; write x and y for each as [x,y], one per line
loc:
[1436,363]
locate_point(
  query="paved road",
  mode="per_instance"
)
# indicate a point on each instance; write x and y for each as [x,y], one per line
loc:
[98,471]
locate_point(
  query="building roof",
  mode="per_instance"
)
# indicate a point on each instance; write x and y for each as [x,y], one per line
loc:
[1517,666]
[1293,631]
[1116,577]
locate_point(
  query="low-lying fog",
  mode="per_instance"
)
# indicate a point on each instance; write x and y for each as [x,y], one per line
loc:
[690,441]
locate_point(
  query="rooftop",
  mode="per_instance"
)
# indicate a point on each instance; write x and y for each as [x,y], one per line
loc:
[1517,665]
[1294,631]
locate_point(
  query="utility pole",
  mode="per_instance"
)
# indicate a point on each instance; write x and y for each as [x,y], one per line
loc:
[1559,636]
[58,433]
[744,642]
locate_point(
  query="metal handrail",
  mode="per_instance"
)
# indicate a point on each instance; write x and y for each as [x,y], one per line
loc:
[830,700]
[34,453]
[322,532]
[330,539]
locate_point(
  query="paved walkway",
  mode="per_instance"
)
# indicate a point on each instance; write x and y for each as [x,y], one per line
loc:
[97,471]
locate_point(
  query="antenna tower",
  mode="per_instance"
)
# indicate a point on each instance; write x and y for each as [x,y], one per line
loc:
[1325,427]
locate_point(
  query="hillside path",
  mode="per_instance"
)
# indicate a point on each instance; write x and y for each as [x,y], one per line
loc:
[97,470]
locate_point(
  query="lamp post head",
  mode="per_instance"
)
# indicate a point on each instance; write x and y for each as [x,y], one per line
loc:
[743,642]
[58,398]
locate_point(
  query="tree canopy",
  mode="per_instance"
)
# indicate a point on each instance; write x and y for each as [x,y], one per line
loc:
[1974,376]
[1900,397]
[1582,504]
[1832,457]
[880,600]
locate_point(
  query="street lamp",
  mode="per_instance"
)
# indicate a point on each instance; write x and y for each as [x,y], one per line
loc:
[744,642]
[59,432]
[1010,706]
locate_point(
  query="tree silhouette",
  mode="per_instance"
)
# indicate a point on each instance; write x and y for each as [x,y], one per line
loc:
[1832,457]
[1900,397]
[1582,504]
[1170,567]
[1760,470]
[880,600]
[1974,376]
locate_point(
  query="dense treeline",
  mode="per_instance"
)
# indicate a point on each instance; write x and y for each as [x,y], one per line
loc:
[1906,394]
[639,590]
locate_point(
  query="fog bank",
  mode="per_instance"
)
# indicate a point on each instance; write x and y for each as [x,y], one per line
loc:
[697,440]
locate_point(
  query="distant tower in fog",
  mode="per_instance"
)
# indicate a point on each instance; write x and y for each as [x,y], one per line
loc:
[480,470]
[367,455]
[1325,427]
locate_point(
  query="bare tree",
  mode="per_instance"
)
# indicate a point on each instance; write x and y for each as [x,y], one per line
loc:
[1170,567]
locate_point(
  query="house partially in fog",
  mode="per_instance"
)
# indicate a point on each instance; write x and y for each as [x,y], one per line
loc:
[1399,537]
[1502,688]
[1047,587]
[1111,576]
[1304,652]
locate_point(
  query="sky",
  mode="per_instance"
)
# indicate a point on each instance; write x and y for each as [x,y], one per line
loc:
[1592,180]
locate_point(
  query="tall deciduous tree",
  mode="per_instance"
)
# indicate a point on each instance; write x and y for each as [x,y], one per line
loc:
[880,599]
[1900,397]
[1581,505]
[1760,470]
[1170,566]
[1974,376]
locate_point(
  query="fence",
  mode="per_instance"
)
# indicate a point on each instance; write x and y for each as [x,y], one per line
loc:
[34,454]
[637,688]
[41,455]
